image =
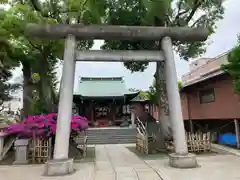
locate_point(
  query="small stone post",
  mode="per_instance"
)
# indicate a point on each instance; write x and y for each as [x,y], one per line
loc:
[181,158]
[2,137]
[133,120]
[61,164]
[21,151]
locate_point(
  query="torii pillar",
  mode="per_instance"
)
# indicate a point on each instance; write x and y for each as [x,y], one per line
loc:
[180,158]
[61,164]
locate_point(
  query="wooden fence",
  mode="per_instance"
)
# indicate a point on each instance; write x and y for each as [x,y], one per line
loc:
[198,142]
[40,150]
[142,143]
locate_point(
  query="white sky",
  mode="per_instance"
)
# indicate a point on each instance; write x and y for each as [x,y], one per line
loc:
[224,39]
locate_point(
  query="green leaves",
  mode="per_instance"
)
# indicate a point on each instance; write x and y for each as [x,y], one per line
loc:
[3,1]
[194,13]
[87,11]
[157,11]
[180,85]
[233,67]
[154,94]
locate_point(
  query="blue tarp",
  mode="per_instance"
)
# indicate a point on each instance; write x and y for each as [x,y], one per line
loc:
[228,139]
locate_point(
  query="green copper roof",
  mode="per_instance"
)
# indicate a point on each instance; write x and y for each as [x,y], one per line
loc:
[102,87]
[141,97]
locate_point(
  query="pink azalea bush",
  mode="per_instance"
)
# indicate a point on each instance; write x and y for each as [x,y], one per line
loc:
[44,125]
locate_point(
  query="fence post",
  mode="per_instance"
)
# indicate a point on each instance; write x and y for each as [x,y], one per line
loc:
[236,123]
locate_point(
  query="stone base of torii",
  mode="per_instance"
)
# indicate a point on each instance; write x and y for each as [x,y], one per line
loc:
[61,164]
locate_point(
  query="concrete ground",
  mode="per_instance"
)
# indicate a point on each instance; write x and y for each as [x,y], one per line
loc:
[115,162]
[218,167]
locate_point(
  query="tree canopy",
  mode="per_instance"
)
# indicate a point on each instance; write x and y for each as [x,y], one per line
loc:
[193,13]
[39,57]
[233,66]
[35,56]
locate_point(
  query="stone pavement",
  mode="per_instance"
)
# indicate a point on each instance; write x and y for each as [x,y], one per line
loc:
[227,149]
[115,162]
[212,167]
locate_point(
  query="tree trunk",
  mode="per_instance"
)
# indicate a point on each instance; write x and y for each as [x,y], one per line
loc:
[45,90]
[163,110]
[45,94]
[27,90]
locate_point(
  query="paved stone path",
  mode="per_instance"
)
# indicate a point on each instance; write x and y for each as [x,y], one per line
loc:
[116,162]
[113,162]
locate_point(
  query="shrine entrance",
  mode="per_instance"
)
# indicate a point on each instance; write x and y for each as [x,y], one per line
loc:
[169,102]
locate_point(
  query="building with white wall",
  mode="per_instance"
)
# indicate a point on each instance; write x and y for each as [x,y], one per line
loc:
[16,103]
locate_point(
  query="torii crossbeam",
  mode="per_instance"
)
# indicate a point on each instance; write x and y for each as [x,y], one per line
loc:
[119,56]
[114,32]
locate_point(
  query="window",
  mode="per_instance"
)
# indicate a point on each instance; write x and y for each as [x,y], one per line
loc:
[207,96]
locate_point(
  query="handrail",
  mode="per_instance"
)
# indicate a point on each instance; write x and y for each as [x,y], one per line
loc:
[141,128]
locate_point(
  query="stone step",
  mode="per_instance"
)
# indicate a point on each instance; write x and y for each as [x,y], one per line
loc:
[111,129]
[115,141]
[110,139]
[111,132]
[110,136]
[107,131]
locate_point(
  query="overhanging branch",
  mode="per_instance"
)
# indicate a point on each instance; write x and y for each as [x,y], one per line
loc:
[197,4]
[180,13]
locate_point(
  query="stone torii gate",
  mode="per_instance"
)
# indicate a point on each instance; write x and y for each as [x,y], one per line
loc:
[61,164]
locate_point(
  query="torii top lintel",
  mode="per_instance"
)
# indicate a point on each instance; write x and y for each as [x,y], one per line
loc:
[115,32]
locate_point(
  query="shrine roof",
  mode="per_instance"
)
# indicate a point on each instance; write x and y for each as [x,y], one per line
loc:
[139,98]
[103,87]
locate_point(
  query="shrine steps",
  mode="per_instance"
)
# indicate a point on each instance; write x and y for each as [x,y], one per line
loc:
[111,135]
